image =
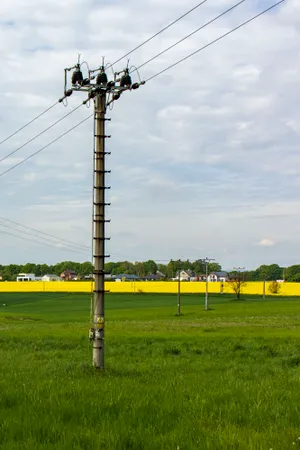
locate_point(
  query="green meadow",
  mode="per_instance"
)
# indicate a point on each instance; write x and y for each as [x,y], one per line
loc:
[227,378]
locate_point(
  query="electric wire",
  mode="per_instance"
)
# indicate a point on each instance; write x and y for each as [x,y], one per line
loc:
[38,242]
[28,123]
[59,239]
[215,40]
[189,35]
[46,146]
[159,32]
[66,246]
[38,135]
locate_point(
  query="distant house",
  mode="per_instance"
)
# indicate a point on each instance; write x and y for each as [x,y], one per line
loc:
[109,276]
[51,277]
[162,275]
[26,277]
[218,276]
[126,277]
[186,275]
[68,275]
[153,277]
[201,277]
[1,278]
[89,277]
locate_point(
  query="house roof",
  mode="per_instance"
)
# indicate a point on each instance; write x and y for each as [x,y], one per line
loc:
[69,272]
[50,275]
[127,275]
[153,276]
[219,274]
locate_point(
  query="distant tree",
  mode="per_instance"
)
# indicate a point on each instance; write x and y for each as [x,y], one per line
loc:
[171,269]
[86,268]
[139,269]
[274,287]
[250,275]
[214,267]
[110,267]
[269,273]
[150,266]
[292,272]
[199,266]
[237,283]
[162,268]
[126,267]
[295,278]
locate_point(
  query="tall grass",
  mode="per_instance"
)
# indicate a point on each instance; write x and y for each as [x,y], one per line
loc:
[223,379]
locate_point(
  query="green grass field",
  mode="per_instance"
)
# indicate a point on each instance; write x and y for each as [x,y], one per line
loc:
[227,378]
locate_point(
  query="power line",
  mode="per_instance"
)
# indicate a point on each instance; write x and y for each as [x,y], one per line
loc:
[215,40]
[127,54]
[189,35]
[45,146]
[74,244]
[42,132]
[118,60]
[28,123]
[37,242]
[159,32]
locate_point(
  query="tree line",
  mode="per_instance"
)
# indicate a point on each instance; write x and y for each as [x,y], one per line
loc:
[141,269]
[270,272]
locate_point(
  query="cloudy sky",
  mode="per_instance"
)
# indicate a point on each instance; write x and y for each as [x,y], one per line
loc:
[204,158]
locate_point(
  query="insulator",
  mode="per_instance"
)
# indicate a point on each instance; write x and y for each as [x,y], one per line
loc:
[85,82]
[110,84]
[92,94]
[68,93]
[101,78]
[116,96]
[135,86]
[77,77]
[126,80]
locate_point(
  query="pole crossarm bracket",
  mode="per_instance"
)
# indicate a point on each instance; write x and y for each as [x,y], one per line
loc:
[106,136]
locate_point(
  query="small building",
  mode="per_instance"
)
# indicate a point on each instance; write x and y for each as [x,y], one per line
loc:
[88,277]
[68,275]
[153,277]
[218,276]
[126,277]
[51,277]
[26,277]
[1,278]
[186,275]
[201,277]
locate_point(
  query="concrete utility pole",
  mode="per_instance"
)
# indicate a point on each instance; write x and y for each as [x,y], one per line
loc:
[99,230]
[103,93]
[206,261]
[178,294]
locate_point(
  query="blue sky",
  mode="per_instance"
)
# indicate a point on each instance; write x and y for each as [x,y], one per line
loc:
[205,158]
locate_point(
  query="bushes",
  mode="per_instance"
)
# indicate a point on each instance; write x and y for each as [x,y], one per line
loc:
[274,287]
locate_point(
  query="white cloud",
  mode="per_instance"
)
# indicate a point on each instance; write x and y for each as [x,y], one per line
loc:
[204,157]
[267,243]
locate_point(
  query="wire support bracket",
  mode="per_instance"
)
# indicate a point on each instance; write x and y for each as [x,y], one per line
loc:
[102,238]
[102,203]
[106,136]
